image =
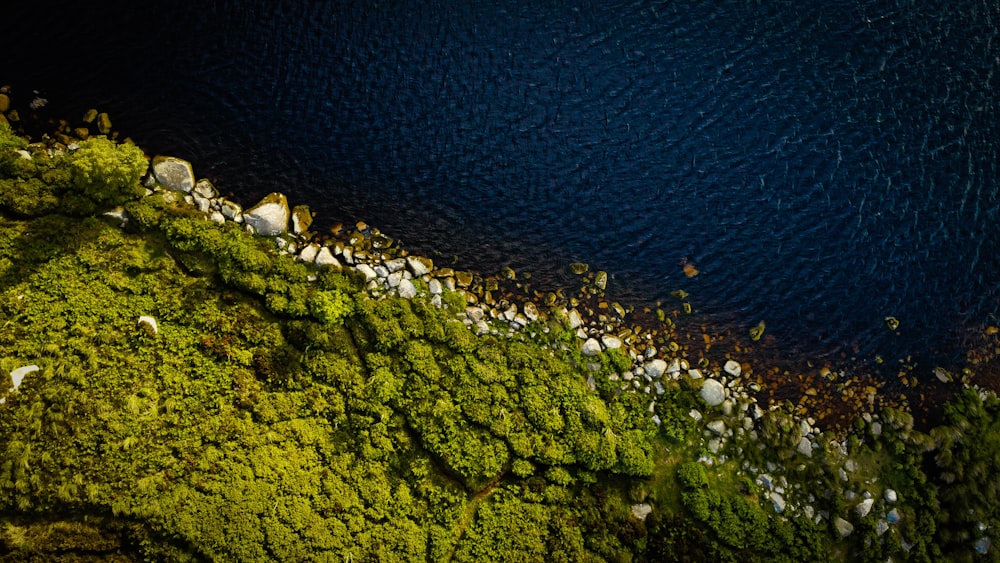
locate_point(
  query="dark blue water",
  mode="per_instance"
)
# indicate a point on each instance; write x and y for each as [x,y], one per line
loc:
[823,164]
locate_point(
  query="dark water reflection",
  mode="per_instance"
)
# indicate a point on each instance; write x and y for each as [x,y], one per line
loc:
[823,164]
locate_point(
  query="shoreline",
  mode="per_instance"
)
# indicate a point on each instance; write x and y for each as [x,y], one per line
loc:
[832,393]
[785,456]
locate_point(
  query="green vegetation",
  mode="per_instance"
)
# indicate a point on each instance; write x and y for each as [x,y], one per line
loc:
[274,418]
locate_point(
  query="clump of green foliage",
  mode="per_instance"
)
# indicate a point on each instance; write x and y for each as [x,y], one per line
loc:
[97,175]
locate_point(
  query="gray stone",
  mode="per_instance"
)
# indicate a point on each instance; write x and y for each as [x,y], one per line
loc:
[591,347]
[732,368]
[611,342]
[395,265]
[270,216]
[805,447]
[843,527]
[204,205]
[712,392]
[17,375]
[530,311]
[574,319]
[655,368]
[395,279]
[205,189]
[891,496]
[419,265]
[308,254]
[475,314]
[864,507]
[326,258]
[641,511]
[881,527]
[778,501]
[367,271]
[435,287]
[173,173]
[230,210]
[406,289]
[717,427]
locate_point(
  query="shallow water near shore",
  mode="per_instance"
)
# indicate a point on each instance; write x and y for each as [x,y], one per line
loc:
[823,166]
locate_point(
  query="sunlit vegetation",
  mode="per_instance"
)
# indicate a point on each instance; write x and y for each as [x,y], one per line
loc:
[281,413]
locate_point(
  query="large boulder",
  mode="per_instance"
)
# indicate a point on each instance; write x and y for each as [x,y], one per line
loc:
[173,173]
[270,216]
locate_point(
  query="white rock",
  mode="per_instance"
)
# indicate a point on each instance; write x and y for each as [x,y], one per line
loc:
[17,375]
[406,289]
[712,392]
[843,527]
[395,279]
[591,347]
[308,254]
[717,427]
[202,204]
[694,373]
[150,322]
[269,217]
[864,507]
[641,511]
[611,342]
[173,173]
[655,368]
[778,501]
[574,319]
[891,496]
[732,368]
[368,272]
[530,311]
[326,258]
[419,265]
[395,265]
[435,287]
[230,210]
[217,217]
[805,447]
[205,189]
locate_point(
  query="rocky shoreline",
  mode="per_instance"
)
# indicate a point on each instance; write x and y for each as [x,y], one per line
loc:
[729,412]
[652,358]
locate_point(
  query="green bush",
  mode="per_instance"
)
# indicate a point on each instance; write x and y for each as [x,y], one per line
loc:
[106,172]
